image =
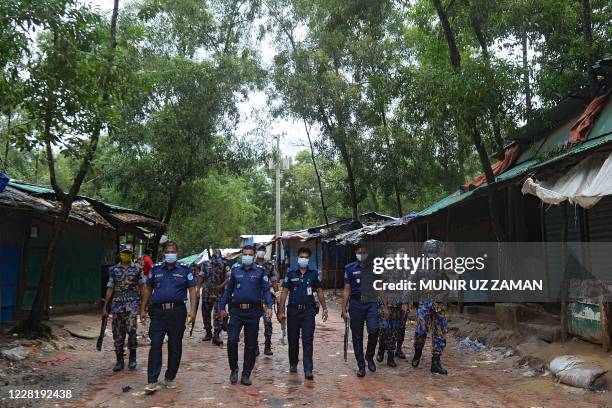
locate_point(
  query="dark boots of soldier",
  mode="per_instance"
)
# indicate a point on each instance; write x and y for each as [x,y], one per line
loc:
[418,351]
[119,365]
[132,364]
[268,347]
[436,366]
[391,359]
[400,354]
[216,340]
[208,334]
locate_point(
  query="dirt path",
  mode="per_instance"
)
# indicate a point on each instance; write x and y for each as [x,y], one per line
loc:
[203,380]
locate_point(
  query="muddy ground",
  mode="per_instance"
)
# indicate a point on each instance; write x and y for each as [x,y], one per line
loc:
[497,377]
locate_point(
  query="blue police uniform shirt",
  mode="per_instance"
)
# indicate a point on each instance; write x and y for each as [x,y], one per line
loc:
[302,287]
[247,285]
[353,275]
[170,285]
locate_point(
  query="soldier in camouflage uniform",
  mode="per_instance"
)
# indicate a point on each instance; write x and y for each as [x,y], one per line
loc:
[274,287]
[211,279]
[123,289]
[431,315]
[392,311]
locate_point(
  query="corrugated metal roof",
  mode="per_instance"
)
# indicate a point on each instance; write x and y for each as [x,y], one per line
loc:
[536,156]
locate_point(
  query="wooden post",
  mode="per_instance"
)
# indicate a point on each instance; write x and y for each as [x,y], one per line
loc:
[336,270]
[604,323]
[564,283]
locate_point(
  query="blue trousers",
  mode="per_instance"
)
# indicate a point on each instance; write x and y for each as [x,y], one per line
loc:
[301,321]
[172,323]
[360,313]
[249,319]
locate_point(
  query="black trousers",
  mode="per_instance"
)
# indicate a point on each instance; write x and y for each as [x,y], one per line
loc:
[172,323]
[249,319]
[304,321]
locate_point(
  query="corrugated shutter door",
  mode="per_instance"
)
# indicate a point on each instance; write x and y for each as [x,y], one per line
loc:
[553,223]
[600,221]
[600,230]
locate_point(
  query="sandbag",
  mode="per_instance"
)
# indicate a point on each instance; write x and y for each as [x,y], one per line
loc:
[573,371]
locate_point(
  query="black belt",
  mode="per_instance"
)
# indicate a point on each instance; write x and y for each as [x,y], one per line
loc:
[361,298]
[246,305]
[167,306]
[300,306]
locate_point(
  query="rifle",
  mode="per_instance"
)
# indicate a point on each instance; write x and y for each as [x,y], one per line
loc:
[346,336]
[195,314]
[283,325]
[102,331]
[284,330]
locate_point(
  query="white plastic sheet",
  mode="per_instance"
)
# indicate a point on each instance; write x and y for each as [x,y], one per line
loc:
[584,184]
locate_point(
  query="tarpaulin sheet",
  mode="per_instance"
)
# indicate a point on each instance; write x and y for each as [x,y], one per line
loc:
[584,184]
[580,130]
[510,155]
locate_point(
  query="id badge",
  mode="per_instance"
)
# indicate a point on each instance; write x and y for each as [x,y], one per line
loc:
[238,286]
[309,291]
[357,280]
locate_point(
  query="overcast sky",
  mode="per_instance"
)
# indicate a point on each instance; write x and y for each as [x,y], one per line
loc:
[294,138]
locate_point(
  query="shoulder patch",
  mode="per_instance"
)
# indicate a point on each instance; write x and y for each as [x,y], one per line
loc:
[265,277]
[190,276]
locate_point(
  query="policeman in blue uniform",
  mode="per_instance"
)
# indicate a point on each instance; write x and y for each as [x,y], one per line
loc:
[247,285]
[123,294]
[363,308]
[167,286]
[300,284]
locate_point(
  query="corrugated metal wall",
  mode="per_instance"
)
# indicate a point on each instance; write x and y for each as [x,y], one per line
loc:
[600,230]
[11,240]
[82,252]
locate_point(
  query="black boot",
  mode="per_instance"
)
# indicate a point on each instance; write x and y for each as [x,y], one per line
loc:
[257,351]
[216,340]
[418,351]
[391,359]
[208,336]
[234,376]
[360,371]
[400,354]
[132,364]
[380,356]
[268,347]
[436,366]
[371,364]
[120,365]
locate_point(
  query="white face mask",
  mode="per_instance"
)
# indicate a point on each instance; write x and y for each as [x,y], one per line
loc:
[261,254]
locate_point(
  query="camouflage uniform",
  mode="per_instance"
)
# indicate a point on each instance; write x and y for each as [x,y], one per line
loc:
[212,275]
[431,315]
[390,327]
[269,268]
[125,282]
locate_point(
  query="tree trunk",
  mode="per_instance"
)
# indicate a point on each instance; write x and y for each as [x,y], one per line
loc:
[472,127]
[316,169]
[526,84]
[398,200]
[351,179]
[33,326]
[174,194]
[588,45]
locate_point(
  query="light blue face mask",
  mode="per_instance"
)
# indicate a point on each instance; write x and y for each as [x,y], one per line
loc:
[247,259]
[362,257]
[170,258]
[303,262]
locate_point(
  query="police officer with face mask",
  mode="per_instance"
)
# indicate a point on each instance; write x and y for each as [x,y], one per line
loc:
[363,309]
[248,284]
[300,284]
[167,286]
